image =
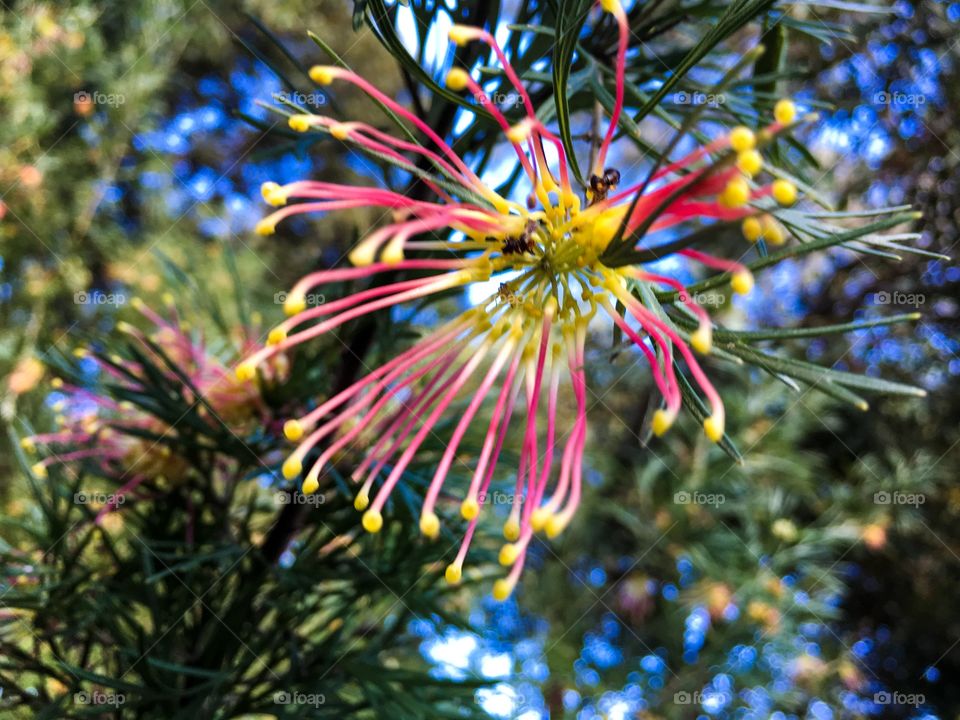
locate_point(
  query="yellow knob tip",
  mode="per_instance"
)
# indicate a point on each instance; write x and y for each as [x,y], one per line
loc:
[310,485]
[662,420]
[502,589]
[702,339]
[742,282]
[322,74]
[752,229]
[784,192]
[299,123]
[246,371]
[713,427]
[430,525]
[453,574]
[291,467]
[470,508]
[39,469]
[785,111]
[511,530]
[361,501]
[372,521]
[276,336]
[458,79]
[742,139]
[509,554]
[293,430]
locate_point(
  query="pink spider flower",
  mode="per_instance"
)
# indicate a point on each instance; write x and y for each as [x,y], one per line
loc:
[101,432]
[517,347]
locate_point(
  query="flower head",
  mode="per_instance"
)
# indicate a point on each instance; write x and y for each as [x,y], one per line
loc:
[518,347]
[123,442]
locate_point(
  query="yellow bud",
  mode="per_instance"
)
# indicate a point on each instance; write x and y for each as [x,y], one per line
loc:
[39,469]
[310,485]
[509,554]
[784,192]
[742,282]
[276,336]
[322,74]
[662,420]
[736,193]
[511,530]
[742,139]
[28,445]
[372,521]
[457,79]
[273,194]
[453,574]
[461,34]
[502,590]
[300,123]
[56,383]
[750,162]
[291,467]
[393,253]
[610,6]
[294,304]
[752,229]
[555,525]
[772,231]
[713,427]
[785,111]
[340,131]
[361,501]
[702,339]
[469,508]
[518,133]
[538,519]
[293,430]
[362,255]
[266,227]
[430,525]
[246,371]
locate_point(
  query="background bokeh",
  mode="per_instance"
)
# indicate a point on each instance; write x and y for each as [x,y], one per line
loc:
[818,579]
